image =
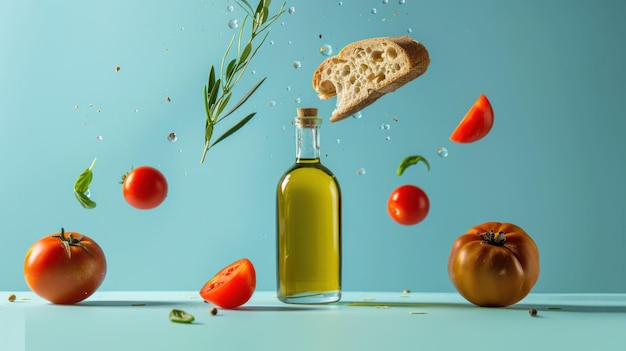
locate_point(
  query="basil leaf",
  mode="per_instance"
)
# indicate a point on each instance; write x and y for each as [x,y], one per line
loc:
[180,316]
[85,201]
[409,161]
[81,186]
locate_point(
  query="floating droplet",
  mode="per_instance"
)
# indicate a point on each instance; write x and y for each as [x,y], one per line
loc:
[99,137]
[442,152]
[326,50]
[357,115]
[360,171]
[230,8]
[233,23]
[292,10]
[172,137]
[373,11]
[297,64]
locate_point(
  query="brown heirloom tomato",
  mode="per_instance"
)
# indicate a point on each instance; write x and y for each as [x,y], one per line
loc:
[494,264]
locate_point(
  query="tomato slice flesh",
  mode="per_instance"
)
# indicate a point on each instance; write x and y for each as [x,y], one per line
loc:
[476,124]
[232,286]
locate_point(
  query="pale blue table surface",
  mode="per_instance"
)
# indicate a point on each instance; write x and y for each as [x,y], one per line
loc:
[361,321]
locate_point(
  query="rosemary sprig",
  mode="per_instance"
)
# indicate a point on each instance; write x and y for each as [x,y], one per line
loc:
[218,90]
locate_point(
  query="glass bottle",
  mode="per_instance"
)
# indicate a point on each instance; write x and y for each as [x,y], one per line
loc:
[308,210]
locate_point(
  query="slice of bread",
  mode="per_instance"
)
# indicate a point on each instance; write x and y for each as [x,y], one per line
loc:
[365,70]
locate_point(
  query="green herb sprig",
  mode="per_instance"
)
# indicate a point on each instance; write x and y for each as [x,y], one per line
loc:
[218,90]
[81,186]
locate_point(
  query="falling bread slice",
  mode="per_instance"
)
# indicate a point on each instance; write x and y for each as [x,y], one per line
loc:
[365,70]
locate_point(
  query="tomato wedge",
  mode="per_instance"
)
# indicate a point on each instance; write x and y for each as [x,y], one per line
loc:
[232,286]
[476,123]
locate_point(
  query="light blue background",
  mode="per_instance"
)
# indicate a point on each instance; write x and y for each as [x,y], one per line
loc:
[553,162]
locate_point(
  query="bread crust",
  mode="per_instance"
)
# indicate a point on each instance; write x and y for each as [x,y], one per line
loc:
[365,70]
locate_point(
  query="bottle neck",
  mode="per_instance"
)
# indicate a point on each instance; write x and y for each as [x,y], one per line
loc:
[307,140]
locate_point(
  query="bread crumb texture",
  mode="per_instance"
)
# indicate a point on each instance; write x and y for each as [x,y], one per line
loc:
[365,70]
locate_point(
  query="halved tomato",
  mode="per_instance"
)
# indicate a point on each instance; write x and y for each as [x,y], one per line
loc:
[476,123]
[232,286]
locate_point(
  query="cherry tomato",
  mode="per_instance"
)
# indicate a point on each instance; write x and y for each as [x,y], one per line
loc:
[64,268]
[232,286]
[144,187]
[476,123]
[408,205]
[494,264]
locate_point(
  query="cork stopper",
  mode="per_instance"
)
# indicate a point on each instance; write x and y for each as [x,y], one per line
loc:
[307,112]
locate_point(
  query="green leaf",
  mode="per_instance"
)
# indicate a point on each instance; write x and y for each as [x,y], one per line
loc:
[81,186]
[409,161]
[245,97]
[180,316]
[234,128]
[85,201]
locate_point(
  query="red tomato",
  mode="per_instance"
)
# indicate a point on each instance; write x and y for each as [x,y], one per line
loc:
[408,205]
[476,123]
[232,286]
[64,268]
[144,187]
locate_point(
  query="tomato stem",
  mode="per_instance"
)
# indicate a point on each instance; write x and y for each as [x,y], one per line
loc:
[492,238]
[71,241]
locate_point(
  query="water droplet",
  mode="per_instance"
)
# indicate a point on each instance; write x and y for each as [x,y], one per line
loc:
[99,137]
[357,115]
[230,8]
[373,10]
[442,152]
[172,137]
[292,10]
[360,171]
[272,103]
[297,64]
[326,50]
[233,23]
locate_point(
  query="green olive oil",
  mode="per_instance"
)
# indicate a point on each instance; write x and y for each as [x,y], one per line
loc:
[308,222]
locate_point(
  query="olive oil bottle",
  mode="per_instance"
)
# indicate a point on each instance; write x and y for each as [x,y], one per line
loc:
[308,223]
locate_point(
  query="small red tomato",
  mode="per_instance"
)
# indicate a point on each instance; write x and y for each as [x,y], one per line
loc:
[144,187]
[64,268]
[232,286]
[476,123]
[408,205]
